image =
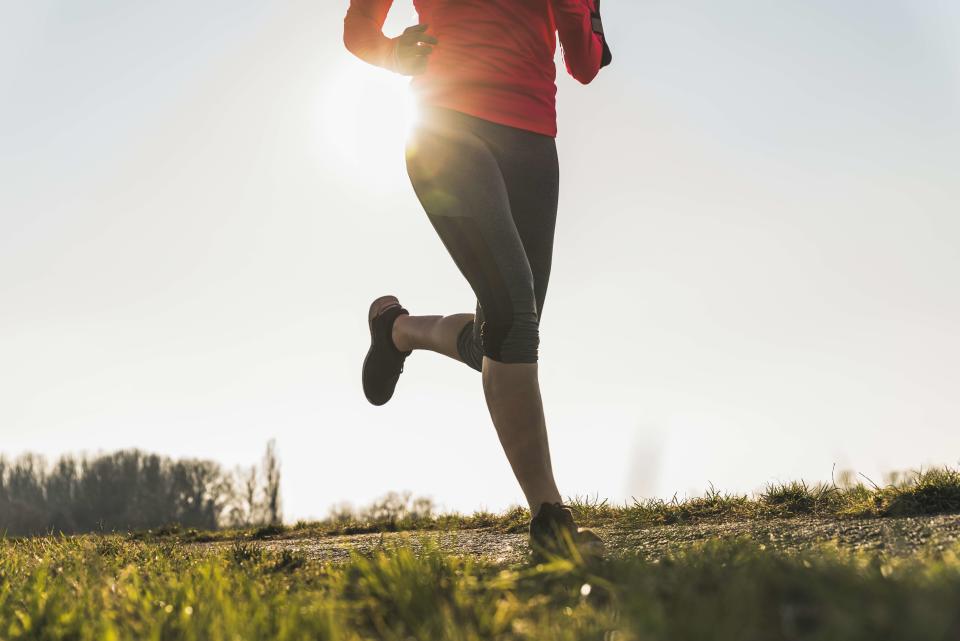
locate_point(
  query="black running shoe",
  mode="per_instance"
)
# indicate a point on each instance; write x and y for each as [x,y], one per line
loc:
[384,362]
[554,533]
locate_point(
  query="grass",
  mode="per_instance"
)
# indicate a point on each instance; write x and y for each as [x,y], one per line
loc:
[109,587]
[156,585]
[925,492]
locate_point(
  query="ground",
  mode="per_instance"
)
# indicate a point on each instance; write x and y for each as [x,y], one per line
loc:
[903,536]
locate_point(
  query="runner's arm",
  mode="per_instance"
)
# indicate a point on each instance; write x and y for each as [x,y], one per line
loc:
[363,32]
[582,47]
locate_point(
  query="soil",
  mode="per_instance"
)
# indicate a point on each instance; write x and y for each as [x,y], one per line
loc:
[899,537]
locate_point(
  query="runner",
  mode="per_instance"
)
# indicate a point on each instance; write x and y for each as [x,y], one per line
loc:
[483,163]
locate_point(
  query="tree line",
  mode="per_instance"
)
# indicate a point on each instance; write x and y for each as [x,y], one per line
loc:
[133,490]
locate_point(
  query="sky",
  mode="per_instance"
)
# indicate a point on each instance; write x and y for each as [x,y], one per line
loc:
[755,269]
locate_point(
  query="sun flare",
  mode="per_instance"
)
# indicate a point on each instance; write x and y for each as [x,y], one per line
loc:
[366,114]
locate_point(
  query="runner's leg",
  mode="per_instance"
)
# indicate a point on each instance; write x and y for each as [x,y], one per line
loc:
[460,184]
[435,333]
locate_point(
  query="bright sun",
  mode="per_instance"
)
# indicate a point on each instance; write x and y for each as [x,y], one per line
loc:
[366,114]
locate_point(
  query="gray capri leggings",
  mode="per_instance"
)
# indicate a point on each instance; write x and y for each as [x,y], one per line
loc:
[490,191]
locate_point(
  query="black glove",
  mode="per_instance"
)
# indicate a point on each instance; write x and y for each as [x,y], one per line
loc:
[607,57]
[411,50]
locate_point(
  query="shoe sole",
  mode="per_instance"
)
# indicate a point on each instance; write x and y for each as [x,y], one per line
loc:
[376,307]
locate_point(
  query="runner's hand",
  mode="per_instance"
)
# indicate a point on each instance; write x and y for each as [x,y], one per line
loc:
[411,50]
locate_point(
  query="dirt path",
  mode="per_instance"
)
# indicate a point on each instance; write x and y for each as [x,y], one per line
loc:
[894,536]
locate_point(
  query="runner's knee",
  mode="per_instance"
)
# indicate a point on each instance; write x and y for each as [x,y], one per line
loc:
[515,339]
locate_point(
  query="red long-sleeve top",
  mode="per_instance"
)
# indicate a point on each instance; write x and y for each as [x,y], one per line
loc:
[494,59]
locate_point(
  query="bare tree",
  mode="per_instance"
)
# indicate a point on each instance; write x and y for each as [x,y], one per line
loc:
[129,489]
[271,487]
[252,505]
